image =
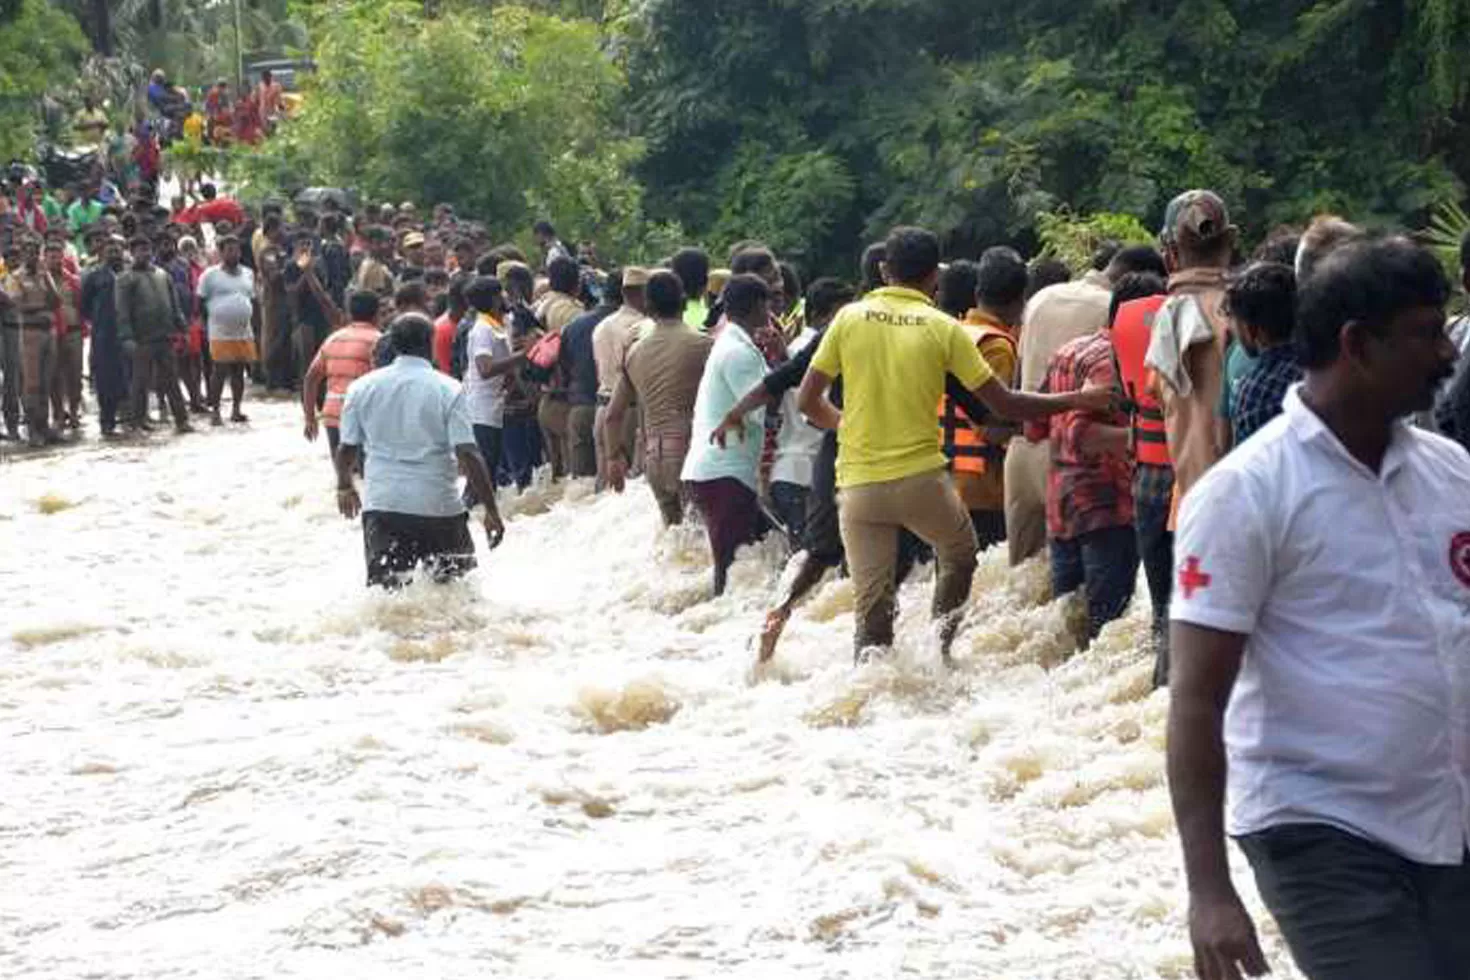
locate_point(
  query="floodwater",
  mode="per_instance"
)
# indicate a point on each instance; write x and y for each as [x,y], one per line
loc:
[223,758]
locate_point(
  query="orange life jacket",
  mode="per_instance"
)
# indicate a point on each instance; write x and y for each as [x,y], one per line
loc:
[1132,328]
[964,447]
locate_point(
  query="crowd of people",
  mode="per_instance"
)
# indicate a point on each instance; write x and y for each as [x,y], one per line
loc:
[1258,434]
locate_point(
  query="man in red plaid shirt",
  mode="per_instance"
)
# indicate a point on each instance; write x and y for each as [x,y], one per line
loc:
[1089,488]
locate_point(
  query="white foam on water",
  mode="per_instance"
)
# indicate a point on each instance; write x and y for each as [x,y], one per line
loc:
[224,758]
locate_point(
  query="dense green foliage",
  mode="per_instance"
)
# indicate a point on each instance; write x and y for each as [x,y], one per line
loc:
[817,124]
[975,118]
[38,44]
[503,113]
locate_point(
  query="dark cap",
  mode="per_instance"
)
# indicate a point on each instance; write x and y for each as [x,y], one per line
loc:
[1196,217]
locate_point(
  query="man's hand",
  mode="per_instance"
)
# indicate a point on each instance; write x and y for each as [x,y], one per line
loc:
[349,505]
[494,528]
[1101,399]
[617,474]
[1225,944]
[311,429]
[731,423]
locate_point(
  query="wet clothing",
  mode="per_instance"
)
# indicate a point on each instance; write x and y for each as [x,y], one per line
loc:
[1104,564]
[893,350]
[1153,491]
[732,516]
[395,544]
[872,514]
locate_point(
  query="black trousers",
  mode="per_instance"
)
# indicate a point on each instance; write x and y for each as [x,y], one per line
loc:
[1350,909]
[1152,486]
[396,544]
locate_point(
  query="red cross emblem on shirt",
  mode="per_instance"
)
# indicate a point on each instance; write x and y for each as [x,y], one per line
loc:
[1191,578]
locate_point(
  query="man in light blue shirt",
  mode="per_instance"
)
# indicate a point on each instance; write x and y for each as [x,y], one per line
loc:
[412,424]
[721,476]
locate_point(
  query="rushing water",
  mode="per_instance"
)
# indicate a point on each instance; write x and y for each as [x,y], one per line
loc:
[224,758]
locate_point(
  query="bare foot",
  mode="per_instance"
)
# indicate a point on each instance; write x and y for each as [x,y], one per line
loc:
[771,633]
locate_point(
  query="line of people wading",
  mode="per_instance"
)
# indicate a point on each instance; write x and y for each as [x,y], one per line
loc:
[1259,435]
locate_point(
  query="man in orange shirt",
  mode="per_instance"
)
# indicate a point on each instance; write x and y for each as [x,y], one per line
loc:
[343,357]
[977,457]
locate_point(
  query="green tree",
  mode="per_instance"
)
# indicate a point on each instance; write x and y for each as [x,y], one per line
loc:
[39,47]
[508,114]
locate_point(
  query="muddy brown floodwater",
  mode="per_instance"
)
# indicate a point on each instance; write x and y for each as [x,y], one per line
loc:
[224,758]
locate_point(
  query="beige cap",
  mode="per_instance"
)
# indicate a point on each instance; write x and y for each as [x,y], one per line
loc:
[717,280]
[634,276]
[413,239]
[507,265]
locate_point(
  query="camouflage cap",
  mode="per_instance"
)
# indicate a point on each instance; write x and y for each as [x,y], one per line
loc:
[1199,217]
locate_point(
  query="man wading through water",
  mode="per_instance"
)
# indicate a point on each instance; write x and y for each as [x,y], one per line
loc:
[1321,645]
[412,424]
[892,350]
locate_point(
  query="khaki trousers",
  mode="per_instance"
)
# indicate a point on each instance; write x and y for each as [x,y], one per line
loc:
[552,418]
[872,515]
[663,465]
[1026,467]
[37,365]
[629,441]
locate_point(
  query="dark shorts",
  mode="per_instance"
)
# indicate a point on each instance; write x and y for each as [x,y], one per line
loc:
[731,513]
[1350,909]
[396,544]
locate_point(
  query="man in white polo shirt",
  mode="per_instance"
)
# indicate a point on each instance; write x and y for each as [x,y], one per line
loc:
[1321,650]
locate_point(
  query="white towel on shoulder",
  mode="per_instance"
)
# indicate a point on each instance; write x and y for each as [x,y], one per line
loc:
[1179,325]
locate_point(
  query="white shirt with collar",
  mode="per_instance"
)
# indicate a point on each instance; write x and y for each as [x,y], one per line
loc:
[1352,707]
[408,418]
[734,367]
